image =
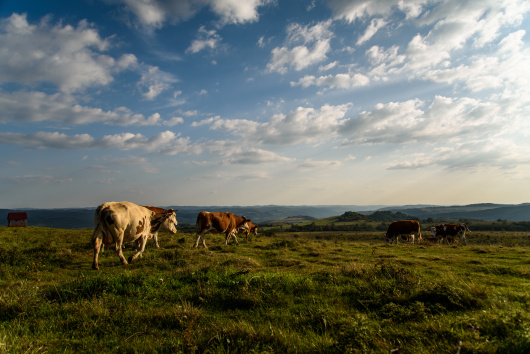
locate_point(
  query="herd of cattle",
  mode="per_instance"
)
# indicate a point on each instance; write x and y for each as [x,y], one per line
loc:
[119,222]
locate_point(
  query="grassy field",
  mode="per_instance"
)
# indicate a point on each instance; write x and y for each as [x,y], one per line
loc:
[317,292]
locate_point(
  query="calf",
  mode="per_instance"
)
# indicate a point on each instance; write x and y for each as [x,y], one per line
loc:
[250,229]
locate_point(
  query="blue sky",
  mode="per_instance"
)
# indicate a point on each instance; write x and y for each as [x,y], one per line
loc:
[226,102]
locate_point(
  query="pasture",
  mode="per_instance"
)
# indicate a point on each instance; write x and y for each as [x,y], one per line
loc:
[312,292]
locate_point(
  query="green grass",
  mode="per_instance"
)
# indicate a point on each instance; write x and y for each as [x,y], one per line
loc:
[316,292]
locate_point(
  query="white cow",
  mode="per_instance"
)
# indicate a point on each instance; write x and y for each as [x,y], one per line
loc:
[119,222]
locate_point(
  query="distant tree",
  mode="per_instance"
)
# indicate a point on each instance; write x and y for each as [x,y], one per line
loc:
[387,215]
[351,216]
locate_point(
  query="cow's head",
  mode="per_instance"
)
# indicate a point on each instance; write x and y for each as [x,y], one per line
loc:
[245,224]
[165,222]
[433,231]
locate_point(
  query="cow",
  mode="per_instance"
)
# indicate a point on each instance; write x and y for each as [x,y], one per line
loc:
[443,231]
[403,227]
[164,227]
[250,229]
[226,223]
[119,222]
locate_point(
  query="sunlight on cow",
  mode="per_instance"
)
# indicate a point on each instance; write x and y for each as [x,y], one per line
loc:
[119,222]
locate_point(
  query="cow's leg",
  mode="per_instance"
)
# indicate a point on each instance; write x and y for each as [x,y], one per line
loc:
[463,239]
[143,241]
[229,235]
[98,245]
[155,237]
[200,236]
[412,237]
[119,244]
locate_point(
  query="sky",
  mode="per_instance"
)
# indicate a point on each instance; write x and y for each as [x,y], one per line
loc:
[258,102]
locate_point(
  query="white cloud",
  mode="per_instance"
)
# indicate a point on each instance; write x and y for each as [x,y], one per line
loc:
[235,11]
[22,106]
[297,33]
[66,56]
[341,81]
[406,122]
[469,155]
[153,82]
[302,56]
[208,39]
[303,125]
[167,142]
[299,57]
[328,66]
[203,122]
[508,69]
[174,121]
[310,164]
[255,156]
[353,10]
[155,13]
[375,25]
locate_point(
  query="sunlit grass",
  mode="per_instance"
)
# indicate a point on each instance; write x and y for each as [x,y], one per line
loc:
[306,292]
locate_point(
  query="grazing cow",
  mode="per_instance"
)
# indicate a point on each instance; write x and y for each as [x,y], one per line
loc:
[217,223]
[443,231]
[250,229]
[403,227]
[119,222]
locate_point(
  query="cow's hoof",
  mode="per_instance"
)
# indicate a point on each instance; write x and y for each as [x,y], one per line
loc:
[95,267]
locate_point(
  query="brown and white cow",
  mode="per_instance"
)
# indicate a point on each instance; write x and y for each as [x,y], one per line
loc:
[119,222]
[166,226]
[403,227]
[226,223]
[443,231]
[250,229]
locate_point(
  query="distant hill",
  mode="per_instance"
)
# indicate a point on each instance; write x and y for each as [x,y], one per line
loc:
[484,212]
[80,218]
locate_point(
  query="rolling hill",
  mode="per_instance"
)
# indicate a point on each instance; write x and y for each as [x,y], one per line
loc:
[80,218]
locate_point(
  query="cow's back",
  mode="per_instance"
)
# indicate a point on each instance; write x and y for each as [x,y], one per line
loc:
[219,221]
[127,219]
[403,226]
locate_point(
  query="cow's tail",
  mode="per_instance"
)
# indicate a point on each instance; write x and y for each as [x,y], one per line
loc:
[97,230]
[198,225]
